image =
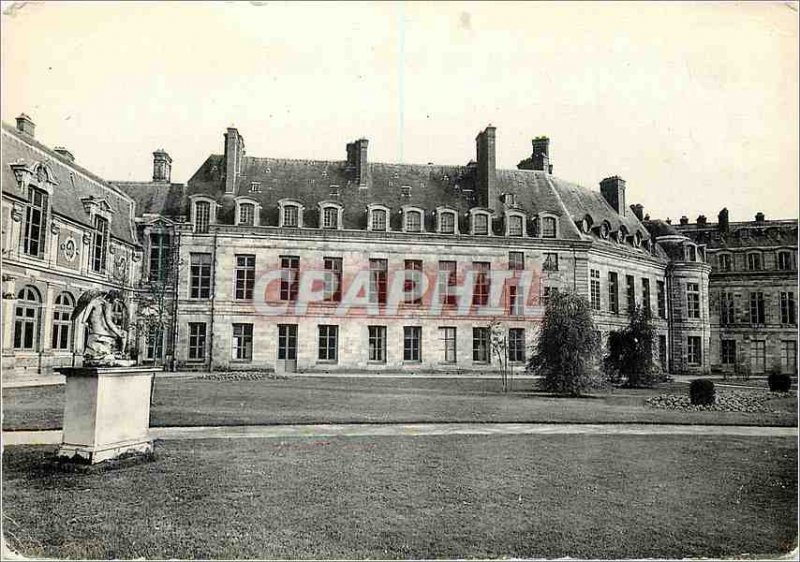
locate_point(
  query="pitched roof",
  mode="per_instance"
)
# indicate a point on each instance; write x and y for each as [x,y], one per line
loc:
[74,183]
[777,233]
[155,197]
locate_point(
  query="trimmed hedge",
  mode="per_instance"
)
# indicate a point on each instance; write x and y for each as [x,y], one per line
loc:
[702,392]
[779,382]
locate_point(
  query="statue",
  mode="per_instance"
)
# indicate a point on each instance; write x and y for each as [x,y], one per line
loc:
[106,343]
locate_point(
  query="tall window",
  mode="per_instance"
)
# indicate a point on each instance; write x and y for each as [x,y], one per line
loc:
[662,351]
[378,219]
[691,253]
[200,276]
[661,295]
[516,345]
[413,282]
[693,300]
[480,295]
[613,292]
[448,337]
[480,345]
[594,288]
[328,343]
[413,221]
[447,223]
[62,323]
[247,214]
[725,262]
[154,349]
[646,295]
[548,227]
[754,262]
[550,262]
[377,281]
[758,356]
[785,261]
[516,261]
[727,309]
[333,279]
[694,350]
[245,277]
[159,254]
[728,352]
[515,301]
[412,338]
[287,342]
[788,308]
[35,218]
[789,356]
[757,308]
[291,216]
[26,319]
[242,342]
[99,244]
[197,341]
[290,277]
[377,344]
[630,293]
[330,217]
[447,282]
[515,225]
[202,216]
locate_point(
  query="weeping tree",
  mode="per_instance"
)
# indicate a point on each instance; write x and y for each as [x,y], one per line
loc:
[630,352]
[567,346]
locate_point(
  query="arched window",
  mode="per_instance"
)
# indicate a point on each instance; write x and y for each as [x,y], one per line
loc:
[330,217]
[26,318]
[413,221]
[35,220]
[378,219]
[291,214]
[202,216]
[549,227]
[622,234]
[247,214]
[480,223]
[605,229]
[62,322]
[446,219]
[516,225]
[637,239]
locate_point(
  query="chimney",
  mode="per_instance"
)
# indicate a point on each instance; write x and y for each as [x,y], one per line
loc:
[723,221]
[540,156]
[759,217]
[684,220]
[638,210]
[64,153]
[162,166]
[487,172]
[360,161]
[234,154]
[701,220]
[25,125]
[613,191]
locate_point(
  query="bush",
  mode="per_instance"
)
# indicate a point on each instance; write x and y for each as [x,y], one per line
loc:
[630,352]
[779,382]
[702,392]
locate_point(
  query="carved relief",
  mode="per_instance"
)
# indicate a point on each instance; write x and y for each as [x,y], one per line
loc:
[69,249]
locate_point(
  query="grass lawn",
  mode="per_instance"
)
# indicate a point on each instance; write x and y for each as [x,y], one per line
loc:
[413,497]
[194,401]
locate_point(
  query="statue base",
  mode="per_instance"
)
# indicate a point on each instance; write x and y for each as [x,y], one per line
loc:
[106,413]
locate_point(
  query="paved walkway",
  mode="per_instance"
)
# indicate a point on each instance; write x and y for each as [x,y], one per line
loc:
[53,437]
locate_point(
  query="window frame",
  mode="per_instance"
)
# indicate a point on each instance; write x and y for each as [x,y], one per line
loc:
[29,301]
[198,342]
[693,308]
[595,288]
[481,352]
[284,205]
[440,214]
[408,211]
[412,344]
[517,215]
[200,275]
[202,227]
[376,344]
[486,215]
[61,338]
[242,343]
[41,212]
[328,209]
[375,210]
[244,277]
[449,338]
[327,343]
[378,279]
[516,345]
[101,234]
[290,278]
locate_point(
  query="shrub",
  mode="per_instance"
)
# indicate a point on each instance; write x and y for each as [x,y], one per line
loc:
[779,382]
[630,352]
[702,392]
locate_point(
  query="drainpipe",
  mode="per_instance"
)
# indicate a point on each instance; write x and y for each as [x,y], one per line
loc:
[668,305]
[213,298]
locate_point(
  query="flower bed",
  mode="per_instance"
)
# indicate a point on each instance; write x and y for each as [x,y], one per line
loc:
[727,401]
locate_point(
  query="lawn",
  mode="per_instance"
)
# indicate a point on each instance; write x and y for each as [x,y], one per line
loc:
[413,497]
[195,401]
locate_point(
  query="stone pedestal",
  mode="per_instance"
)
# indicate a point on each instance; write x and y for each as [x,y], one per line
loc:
[106,412]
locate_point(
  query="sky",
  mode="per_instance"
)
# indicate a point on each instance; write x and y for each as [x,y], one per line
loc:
[695,105]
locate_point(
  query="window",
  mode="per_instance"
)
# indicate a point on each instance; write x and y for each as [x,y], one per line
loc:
[785,261]
[758,356]
[242,342]
[757,308]
[725,262]
[613,292]
[413,221]
[480,295]
[413,282]
[515,301]
[377,344]
[727,309]
[35,219]
[693,300]
[330,217]
[789,356]
[480,224]
[99,244]
[447,223]
[516,345]
[290,275]
[247,214]
[550,262]
[662,351]
[691,252]
[548,292]
[159,255]
[328,343]
[447,282]
[448,337]
[412,338]
[26,319]
[333,279]
[694,352]
[245,277]
[515,225]
[291,216]
[154,349]
[197,341]
[754,262]
[516,261]
[377,281]
[62,322]
[548,227]
[788,309]
[200,276]
[287,342]
[630,293]
[480,345]
[202,216]
[728,352]
[646,296]
[255,187]
[378,219]
[594,288]
[662,299]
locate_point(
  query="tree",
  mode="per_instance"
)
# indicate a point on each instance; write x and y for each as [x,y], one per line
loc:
[630,352]
[567,346]
[499,344]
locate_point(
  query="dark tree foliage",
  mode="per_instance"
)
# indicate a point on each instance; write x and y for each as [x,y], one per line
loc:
[567,346]
[630,352]
[702,392]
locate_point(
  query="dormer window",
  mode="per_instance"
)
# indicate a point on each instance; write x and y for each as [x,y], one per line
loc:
[35,219]
[255,187]
[754,262]
[480,224]
[691,252]
[622,234]
[605,230]
[330,216]
[446,220]
[412,219]
[290,213]
[378,216]
[585,224]
[99,244]
[725,262]
[202,216]
[637,239]
[549,227]
[247,214]
[515,224]
[785,260]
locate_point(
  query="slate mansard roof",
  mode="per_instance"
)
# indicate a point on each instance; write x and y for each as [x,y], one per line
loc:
[73,183]
[753,234]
